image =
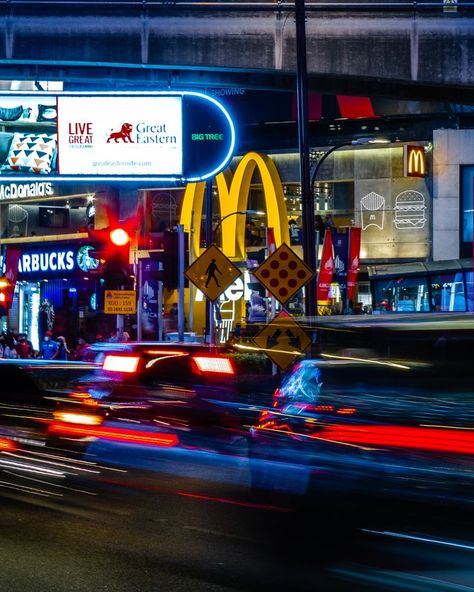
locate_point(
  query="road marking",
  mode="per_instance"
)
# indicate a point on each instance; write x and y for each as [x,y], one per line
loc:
[420,539]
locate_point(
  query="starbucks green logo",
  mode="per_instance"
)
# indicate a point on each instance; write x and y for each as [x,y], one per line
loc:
[84,261]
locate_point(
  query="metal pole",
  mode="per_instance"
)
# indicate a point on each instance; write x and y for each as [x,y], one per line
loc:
[303,138]
[209,239]
[159,306]
[140,300]
[191,285]
[180,282]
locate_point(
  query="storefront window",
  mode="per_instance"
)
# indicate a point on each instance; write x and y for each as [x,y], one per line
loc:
[401,295]
[470,291]
[447,292]
[467,213]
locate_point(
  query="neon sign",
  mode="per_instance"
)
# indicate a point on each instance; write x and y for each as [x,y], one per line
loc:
[414,161]
[130,136]
[234,191]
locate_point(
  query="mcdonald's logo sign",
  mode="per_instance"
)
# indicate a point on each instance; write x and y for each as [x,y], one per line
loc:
[414,161]
[233,192]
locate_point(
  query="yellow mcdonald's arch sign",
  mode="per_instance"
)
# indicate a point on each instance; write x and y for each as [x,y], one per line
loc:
[233,191]
[414,161]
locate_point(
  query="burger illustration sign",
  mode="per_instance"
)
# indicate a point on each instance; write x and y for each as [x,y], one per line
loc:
[179,136]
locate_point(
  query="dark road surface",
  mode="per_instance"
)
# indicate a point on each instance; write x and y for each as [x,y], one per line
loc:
[155,537]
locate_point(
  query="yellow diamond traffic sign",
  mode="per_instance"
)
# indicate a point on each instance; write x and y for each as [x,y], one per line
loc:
[283,340]
[212,272]
[283,273]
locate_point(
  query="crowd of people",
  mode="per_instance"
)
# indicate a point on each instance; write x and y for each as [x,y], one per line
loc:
[51,347]
[19,346]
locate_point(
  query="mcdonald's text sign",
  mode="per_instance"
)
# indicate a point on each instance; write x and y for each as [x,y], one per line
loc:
[414,161]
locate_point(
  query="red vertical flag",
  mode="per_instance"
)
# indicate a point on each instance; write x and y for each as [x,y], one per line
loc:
[354,260]
[326,269]
[271,243]
[11,264]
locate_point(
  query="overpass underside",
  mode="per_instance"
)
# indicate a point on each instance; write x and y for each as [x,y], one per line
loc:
[405,50]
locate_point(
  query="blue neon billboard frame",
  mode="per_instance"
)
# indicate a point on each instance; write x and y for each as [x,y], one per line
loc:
[203,132]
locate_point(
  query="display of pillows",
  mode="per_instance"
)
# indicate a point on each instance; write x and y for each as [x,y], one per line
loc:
[11,113]
[30,153]
[47,113]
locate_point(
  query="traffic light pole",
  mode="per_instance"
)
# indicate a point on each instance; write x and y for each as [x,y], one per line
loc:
[181,255]
[209,238]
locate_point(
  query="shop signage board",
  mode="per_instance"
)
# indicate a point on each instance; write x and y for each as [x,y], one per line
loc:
[212,273]
[120,302]
[163,135]
[283,274]
[283,340]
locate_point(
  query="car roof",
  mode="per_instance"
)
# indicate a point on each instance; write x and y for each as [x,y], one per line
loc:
[138,346]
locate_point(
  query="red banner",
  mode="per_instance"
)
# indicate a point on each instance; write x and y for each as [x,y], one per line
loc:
[11,264]
[354,260]
[271,243]
[326,268]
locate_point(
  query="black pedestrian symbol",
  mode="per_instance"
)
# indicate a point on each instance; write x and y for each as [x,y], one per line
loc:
[211,273]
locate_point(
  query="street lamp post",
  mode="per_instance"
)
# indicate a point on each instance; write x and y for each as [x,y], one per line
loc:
[307,203]
[241,212]
[357,142]
[210,307]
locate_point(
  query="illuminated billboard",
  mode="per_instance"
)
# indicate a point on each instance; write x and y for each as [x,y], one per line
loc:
[178,136]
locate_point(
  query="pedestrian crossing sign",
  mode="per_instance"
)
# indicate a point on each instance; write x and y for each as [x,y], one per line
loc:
[212,273]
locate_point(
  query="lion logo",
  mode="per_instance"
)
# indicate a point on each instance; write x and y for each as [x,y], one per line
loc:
[123,134]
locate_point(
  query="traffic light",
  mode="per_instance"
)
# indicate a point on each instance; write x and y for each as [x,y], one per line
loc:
[111,246]
[169,259]
[6,296]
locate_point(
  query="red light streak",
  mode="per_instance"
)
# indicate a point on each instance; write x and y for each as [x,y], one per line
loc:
[6,444]
[115,434]
[416,438]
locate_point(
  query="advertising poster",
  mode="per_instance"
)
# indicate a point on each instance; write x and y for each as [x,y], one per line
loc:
[120,135]
[354,260]
[340,246]
[326,269]
[161,135]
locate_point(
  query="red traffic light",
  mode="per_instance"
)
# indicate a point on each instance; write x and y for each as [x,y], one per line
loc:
[119,237]
[6,295]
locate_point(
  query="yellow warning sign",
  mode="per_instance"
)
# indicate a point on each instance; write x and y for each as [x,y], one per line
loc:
[120,302]
[283,340]
[212,272]
[283,273]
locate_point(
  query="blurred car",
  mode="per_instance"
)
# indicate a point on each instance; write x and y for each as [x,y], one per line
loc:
[30,389]
[163,406]
[345,428]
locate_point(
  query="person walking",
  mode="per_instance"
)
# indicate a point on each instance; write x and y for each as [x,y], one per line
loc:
[48,347]
[62,353]
[24,347]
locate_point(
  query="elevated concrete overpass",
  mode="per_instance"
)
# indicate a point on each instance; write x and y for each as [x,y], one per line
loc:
[418,50]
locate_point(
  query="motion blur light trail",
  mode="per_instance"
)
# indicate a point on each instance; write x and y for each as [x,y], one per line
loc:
[421,539]
[116,434]
[420,438]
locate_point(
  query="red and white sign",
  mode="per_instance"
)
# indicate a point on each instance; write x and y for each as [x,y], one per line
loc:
[354,260]
[120,135]
[326,269]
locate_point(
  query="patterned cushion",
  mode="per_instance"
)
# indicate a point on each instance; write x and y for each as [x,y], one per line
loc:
[30,153]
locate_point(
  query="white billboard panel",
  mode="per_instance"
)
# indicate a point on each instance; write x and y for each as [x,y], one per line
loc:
[120,135]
